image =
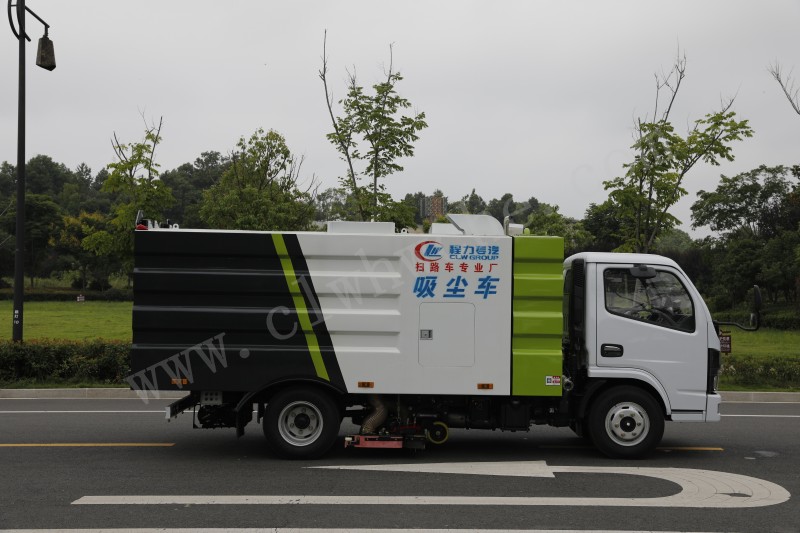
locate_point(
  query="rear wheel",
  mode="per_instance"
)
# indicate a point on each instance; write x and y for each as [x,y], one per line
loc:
[301,423]
[626,422]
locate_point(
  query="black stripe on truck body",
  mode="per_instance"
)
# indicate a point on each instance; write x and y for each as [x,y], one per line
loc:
[214,308]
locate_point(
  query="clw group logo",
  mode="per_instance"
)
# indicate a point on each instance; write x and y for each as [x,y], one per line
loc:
[428,251]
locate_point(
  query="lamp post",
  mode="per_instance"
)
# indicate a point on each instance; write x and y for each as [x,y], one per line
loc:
[45,58]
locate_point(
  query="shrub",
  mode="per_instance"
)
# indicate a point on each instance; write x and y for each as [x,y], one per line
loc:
[64,361]
[69,295]
[772,372]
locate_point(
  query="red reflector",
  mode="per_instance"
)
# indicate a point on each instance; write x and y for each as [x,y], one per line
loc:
[141,226]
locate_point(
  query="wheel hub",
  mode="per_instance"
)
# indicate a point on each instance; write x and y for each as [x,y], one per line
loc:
[300,423]
[627,424]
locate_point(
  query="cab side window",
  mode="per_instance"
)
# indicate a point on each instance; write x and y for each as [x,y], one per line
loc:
[661,300]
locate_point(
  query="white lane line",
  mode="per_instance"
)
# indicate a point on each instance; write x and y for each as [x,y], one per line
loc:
[161,411]
[755,403]
[316,530]
[762,416]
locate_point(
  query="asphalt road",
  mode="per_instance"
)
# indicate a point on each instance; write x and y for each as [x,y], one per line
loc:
[61,459]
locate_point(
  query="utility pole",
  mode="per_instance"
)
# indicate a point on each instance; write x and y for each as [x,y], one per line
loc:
[45,58]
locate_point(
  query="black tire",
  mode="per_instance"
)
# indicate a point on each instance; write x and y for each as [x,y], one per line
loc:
[626,422]
[301,423]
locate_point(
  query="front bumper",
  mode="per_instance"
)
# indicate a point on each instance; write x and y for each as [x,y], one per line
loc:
[713,402]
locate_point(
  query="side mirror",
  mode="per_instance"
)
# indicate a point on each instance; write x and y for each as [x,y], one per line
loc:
[755,316]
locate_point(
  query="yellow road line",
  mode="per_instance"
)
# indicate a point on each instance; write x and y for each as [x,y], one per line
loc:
[87,444]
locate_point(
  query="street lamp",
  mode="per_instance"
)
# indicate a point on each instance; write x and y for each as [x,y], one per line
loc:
[46,59]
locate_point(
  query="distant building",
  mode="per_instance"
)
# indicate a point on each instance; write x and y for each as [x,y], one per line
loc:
[433,207]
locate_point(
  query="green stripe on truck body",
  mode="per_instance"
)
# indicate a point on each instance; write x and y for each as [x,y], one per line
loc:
[300,307]
[537,322]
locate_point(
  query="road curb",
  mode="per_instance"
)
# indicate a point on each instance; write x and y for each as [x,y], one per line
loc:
[121,393]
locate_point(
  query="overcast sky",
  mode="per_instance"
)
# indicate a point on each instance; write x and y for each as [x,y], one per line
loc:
[530,97]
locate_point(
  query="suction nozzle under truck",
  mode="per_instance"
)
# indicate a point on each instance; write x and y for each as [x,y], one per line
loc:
[412,334]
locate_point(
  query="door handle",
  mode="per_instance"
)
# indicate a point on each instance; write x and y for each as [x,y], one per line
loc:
[611,350]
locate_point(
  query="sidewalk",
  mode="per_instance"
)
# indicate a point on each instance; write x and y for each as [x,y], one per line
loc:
[122,393]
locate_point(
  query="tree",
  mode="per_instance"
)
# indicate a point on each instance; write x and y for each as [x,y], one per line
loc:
[188,182]
[471,204]
[8,180]
[259,190]
[133,178]
[653,182]
[788,85]
[781,268]
[330,204]
[762,201]
[758,214]
[546,220]
[505,206]
[413,201]
[82,241]
[601,221]
[673,242]
[372,132]
[474,203]
[43,221]
[45,176]
[739,266]
[79,193]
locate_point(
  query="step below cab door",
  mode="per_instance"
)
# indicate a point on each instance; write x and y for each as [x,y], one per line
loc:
[651,321]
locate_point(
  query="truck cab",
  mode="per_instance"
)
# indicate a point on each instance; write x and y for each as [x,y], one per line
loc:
[637,319]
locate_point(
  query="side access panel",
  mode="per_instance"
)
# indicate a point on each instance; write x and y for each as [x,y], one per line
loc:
[416,314]
[537,316]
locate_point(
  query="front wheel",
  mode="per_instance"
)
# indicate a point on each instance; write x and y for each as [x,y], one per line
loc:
[626,422]
[301,423]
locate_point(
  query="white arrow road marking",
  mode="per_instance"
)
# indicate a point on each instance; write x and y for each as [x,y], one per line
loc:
[699,489]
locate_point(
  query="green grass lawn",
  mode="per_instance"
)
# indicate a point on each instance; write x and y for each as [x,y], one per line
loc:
[765,343]
[70,320]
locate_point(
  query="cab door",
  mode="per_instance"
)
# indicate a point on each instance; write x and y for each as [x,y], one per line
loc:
[650,319]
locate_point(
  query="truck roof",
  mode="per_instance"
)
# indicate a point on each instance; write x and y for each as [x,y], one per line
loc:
[622,258]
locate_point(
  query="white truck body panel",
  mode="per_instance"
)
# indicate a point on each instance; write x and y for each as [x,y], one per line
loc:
[370,290]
